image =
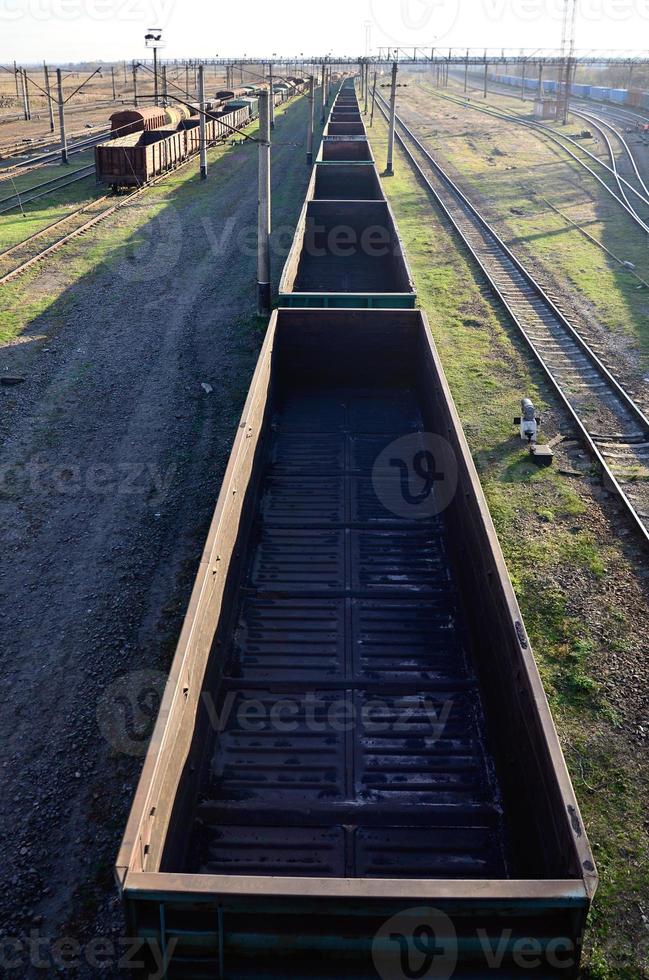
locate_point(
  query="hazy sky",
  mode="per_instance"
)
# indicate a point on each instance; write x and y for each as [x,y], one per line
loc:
[31,30]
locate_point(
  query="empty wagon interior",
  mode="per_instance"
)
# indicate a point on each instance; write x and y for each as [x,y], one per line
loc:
[345,129]
[342,150]
[356,182]
[350,247]
[352,718]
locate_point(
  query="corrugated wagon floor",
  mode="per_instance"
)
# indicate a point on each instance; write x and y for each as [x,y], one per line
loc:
[354,743]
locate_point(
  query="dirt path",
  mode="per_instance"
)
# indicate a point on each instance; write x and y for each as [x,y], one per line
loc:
[112,460]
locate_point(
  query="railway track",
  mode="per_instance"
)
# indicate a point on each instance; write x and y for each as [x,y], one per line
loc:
[570,146]
[48,187]
[35,163]
[18,258]
[626,153]
[610,422]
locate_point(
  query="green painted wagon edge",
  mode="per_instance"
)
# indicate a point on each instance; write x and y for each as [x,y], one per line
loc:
[351,301]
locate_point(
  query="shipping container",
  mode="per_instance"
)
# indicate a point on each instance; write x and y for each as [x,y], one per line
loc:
[265,837]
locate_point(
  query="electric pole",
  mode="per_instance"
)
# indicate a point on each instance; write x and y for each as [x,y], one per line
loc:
[48,89]
[64,145]
[373,99]
[310,122]
[324,96]
[23,83]
[271,94]
[155,76]
[202,140]
[389,170]
[263,209]
[567,51]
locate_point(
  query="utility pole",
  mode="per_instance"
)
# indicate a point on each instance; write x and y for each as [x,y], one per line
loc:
[135,84]
[373,98]
[271,95]
[187,78]
[16,80]
[310,122]
[202,140]
[389,170]
[486,79]
[263,209]
[540,79]
[27,99]
[523,81]
[466,72]
[165,90]
[367,88]
[564,84]
[50,106]
[23,87]
[155,76]
[112,76]
[324,96]
[64,145]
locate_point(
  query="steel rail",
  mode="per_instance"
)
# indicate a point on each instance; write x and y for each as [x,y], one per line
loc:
[501,113]
[557,138]
[28,263]
[599,126]
[28,196]
[599,122]
[571,366]
[42,159]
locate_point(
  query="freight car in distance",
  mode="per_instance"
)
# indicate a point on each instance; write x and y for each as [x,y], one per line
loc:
[147,119]
[131,161]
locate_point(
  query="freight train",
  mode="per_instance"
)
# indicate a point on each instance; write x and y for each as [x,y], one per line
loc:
[354,764]
[154,140]
[633,98]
